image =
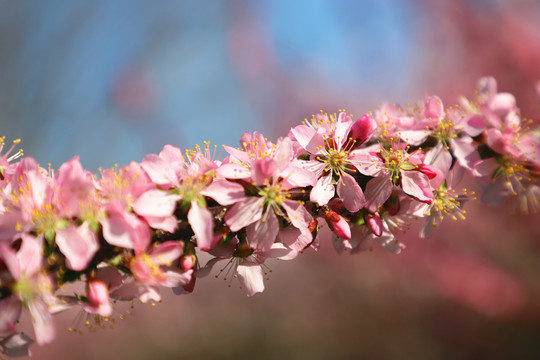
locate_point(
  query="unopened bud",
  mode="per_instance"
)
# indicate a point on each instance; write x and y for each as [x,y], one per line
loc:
[98,295]
[428,170]
[97,292]
[338,224]
[187,262]
[374,224]
[313,226]
[362,129]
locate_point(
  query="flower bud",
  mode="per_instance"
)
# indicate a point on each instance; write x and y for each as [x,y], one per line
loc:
[97,292]
[428,170]
[374,224]
[338,225]
[98,295]
[187,262]
[313,226]
[362,129]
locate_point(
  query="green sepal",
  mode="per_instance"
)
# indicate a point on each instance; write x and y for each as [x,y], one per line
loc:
[94,225]
[115,261]
[62,224]
[49,236]
[407,166]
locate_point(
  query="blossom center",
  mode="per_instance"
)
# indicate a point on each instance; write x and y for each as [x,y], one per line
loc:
[273,195]
[395,161]
[336,159]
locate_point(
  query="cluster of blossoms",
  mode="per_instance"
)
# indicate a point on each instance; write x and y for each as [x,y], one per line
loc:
[130,231]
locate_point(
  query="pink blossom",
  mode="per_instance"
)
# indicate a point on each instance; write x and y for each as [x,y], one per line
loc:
[32,287]
[332,161]
[124,229]
[247,263]
[275,178]
[73,186]
[146,266]
[189,181]
[395,167]
[258,213]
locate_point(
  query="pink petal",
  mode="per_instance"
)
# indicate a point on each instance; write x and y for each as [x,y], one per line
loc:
[8,224]
[263,169]
[430,225]
[343,126]
[297,214]
[159,171]
[439,157]
[474,125]
[244,213]
[173,157]
[323,191]
[262,234]
[175,278]
[315,167]
[502,103]
[434,109]
[417,185]
[485,168]
[225,192]
[284,153]
[202,223]
[279,251]
[42,321]
[414,137]
[304,135]
[251,277]
[295,239]
[123,229]
[156,203]
[350,193]
[368,163]
[233,171]
[378,190]
[464,151]
[78,244]
[73,186]
[390,243]
[297,177]
[30,254]
[239,155]
[169,223]
[166,252]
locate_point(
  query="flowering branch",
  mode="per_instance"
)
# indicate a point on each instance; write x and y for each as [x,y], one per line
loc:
[132,230]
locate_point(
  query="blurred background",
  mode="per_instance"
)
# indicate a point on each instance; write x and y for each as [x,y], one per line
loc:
[112,81]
